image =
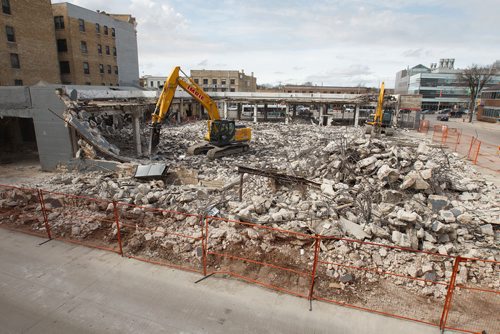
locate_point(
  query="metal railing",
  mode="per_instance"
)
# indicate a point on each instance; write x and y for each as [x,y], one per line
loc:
[445,291]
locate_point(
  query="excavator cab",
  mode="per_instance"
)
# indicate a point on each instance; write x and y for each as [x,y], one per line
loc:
[222,132]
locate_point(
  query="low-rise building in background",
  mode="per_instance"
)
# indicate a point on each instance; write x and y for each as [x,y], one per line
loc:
[439,85]
[224,81]
[489,105]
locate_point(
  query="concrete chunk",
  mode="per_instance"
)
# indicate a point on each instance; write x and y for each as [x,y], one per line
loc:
[353,229]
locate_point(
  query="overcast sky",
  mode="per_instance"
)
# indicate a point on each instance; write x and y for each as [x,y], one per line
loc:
[345,43]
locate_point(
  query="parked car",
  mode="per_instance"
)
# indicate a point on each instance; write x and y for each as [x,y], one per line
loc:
[456,114]
[426,112]
[444,111]
[443,117]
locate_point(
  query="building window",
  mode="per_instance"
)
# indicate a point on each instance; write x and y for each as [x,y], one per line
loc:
[107,50]
[14,60]
[232,81]
[88,83]
[6,6]
[64,67]
[98,28]
[231,90]
[62,46]
[490,112]
[18,82]
[81,24]
[86,68]
[109,69]
[59,22]
[223,82]
[114,51]
[83,47]
[195,81]
[105,30]
[101,68]
[113,33]
[151,83]
[214,81]
[11,37]
[205,81]
[99,49]
[116,69]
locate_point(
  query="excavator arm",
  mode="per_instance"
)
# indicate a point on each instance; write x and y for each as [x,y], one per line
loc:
[223,137]
[379,112]
[167,96]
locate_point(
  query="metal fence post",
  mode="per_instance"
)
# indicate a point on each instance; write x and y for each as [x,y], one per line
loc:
[118,232]
[477,152]
[44,213]
[470,147]
[205,245]
[315,265]
[459,135]
[449,294]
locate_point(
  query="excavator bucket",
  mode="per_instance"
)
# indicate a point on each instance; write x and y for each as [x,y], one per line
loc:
[154,138]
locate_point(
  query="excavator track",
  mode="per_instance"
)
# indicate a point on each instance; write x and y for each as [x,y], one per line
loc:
[219,152]
[200,148]
[215,152]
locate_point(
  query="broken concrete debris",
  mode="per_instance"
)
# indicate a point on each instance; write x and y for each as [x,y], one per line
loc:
[371,189]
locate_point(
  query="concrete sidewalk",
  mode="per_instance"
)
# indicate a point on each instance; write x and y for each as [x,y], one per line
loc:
[63,288]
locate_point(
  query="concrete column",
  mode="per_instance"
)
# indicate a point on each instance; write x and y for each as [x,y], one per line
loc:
[321,115]
[255,113]
[224,103]
[15,133]
[181,109]
[137,133]
[287,111]
[240,110]
[356,115]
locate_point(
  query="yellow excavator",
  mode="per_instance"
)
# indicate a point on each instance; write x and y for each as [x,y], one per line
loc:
[381,120]
[223,137]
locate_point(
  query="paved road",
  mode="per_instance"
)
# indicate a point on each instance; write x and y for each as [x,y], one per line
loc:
[63,288]
[488,132]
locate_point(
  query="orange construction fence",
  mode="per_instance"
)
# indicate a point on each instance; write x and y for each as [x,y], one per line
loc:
[424,126]
[445,291]
[481,153]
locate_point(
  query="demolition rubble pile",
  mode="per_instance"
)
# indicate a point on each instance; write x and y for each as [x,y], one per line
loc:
[390,191]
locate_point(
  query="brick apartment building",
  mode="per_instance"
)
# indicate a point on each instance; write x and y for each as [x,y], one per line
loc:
[224,81]
[489,108]
[28,52]
[68,44]
[95,48]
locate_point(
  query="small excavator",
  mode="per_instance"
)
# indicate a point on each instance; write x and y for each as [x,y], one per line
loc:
[381,120]
[223,137]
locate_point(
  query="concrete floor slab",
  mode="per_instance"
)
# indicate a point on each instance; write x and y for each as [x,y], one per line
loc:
[63,288]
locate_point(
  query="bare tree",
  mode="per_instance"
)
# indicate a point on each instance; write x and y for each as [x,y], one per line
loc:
[475,78]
